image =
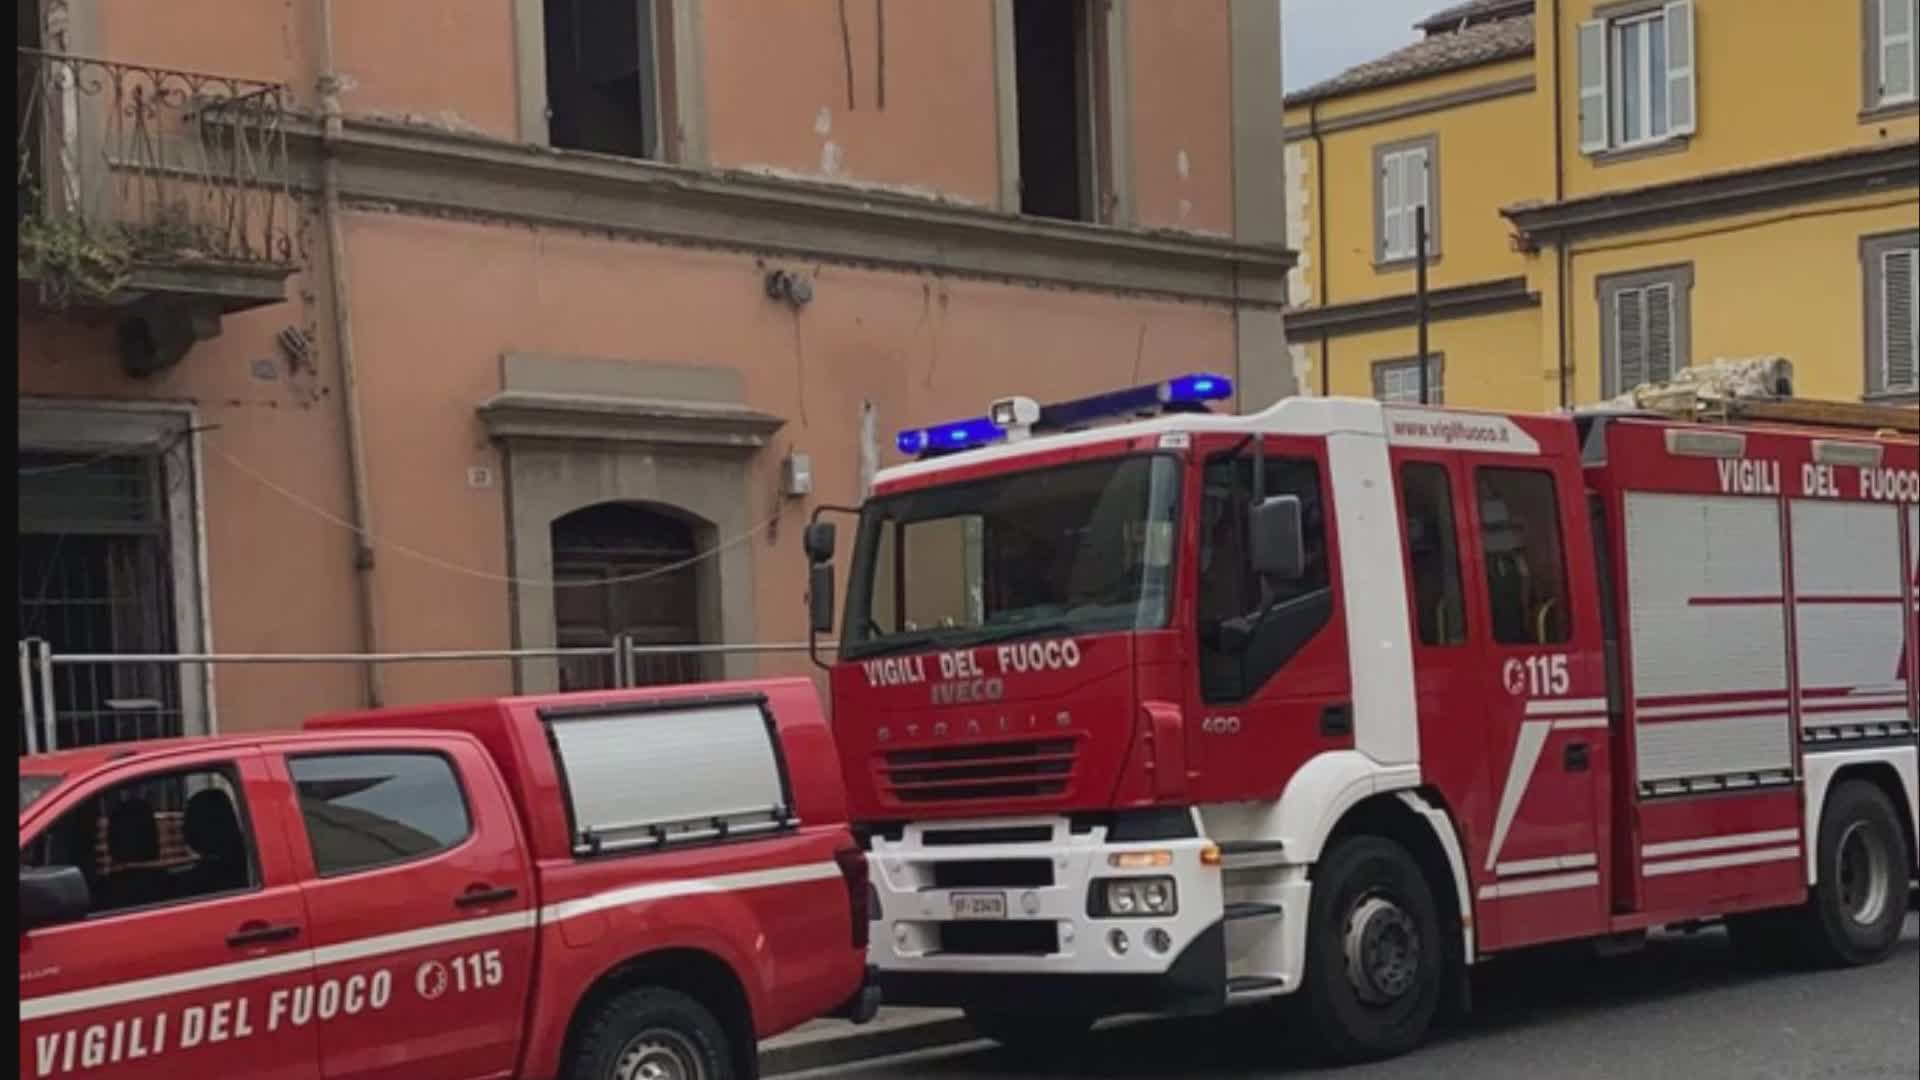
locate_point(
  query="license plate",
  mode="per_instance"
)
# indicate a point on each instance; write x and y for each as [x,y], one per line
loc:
[979,905]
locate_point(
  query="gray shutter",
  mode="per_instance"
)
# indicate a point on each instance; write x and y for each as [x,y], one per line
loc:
[1661,346]
[1396,230]
[1896,49]
[1419,194]
[1681,105]
[1629,339]
[1900,327]
[1593,86]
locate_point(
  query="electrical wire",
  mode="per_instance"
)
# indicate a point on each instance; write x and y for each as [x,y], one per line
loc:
[452,567]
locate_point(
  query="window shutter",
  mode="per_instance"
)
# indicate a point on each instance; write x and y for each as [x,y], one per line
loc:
[1899,367]
[1593,86]
[1661,358]
[1396,206]
[1681,110]
[1896,57]
[1630,351]
[1419,187]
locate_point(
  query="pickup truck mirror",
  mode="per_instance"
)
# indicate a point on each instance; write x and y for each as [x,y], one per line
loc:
[820,596]
[1276,539]
[52,895]
[819,541]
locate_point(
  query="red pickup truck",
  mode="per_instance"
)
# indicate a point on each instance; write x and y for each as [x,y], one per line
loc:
[605,886]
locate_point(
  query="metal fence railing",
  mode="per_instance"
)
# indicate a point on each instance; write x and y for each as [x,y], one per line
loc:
[69,700]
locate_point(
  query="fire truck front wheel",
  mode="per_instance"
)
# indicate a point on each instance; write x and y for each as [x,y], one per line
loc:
[1374,963]
[1034,1035]
[1855,912]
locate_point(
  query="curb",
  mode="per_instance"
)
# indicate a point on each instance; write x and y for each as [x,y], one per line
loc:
[864,1044]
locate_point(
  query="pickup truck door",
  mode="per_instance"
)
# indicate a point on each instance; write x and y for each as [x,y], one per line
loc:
[421,897]
[194,952]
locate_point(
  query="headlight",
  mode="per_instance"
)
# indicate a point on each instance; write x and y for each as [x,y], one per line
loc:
[1132,898]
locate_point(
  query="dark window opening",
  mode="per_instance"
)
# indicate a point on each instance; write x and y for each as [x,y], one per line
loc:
[1057,81]
[1433,554]
[155,840]
[96,576]
[625,569]
[364,811]
[602,86]
[1283,618]
[1526,561]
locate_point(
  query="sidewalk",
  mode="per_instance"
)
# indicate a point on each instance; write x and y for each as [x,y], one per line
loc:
[825,1043]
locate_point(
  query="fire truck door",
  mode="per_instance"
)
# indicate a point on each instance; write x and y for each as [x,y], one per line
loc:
[1274,683]
[1538,876]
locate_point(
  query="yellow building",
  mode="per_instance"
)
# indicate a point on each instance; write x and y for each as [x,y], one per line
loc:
[1617,189]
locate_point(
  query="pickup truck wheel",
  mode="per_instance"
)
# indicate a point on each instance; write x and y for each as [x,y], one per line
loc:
[1042,1035]
[651,1034]
[1855,912]
[1375,961]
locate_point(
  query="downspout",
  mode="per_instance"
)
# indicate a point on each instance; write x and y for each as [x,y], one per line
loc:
[361,507]
[1563,258]
[1320,238]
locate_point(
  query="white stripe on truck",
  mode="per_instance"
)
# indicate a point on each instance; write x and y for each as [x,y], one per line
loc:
[184,982]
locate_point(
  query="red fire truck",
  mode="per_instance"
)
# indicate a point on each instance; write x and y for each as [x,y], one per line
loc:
[1330,702]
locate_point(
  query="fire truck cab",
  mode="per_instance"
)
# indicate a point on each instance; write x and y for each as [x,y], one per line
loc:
[1329,702]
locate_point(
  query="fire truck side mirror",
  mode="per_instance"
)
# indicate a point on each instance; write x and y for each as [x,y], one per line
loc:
[1276,539]
[819,541]
[820,597]
[52,895]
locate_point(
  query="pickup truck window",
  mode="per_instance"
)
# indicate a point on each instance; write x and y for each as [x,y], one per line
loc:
[34,785]
[154,840]
[377,809]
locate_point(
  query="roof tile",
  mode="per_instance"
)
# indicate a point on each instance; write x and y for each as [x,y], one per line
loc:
[1482,43]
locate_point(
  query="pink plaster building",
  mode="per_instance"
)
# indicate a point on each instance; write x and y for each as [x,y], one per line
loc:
[355,326]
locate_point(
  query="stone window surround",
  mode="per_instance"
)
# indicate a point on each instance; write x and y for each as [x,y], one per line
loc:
[1606,286]
[85,426]
[1872,250]
[1437,383]
[1430,142]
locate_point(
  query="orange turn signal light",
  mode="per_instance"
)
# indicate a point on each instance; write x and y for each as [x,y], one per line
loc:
[1210,855]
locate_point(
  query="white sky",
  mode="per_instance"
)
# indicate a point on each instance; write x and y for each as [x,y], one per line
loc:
[1325,37]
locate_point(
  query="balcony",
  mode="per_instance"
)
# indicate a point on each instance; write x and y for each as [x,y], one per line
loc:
[156,200]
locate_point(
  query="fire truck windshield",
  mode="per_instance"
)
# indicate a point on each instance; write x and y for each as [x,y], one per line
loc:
[1075,548]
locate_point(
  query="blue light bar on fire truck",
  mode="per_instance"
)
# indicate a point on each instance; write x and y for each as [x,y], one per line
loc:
[1017,417]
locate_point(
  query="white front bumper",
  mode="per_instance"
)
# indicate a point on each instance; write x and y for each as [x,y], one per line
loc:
[915,915]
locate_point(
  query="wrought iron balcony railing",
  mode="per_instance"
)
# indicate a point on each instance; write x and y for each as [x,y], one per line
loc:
[124,166]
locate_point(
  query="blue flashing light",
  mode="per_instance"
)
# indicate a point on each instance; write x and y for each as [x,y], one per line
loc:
[945,438]
[1187,393]
[1200,387]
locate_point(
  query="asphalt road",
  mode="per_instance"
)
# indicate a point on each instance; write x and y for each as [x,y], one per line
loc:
[1686,1007]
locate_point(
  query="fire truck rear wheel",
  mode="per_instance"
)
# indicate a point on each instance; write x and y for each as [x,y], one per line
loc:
[1373,979]
[651,1034]
[1035,1034]
[1857,907]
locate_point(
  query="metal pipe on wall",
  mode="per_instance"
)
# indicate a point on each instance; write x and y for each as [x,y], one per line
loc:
[361,510]
[1563,261]
[1320,238]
